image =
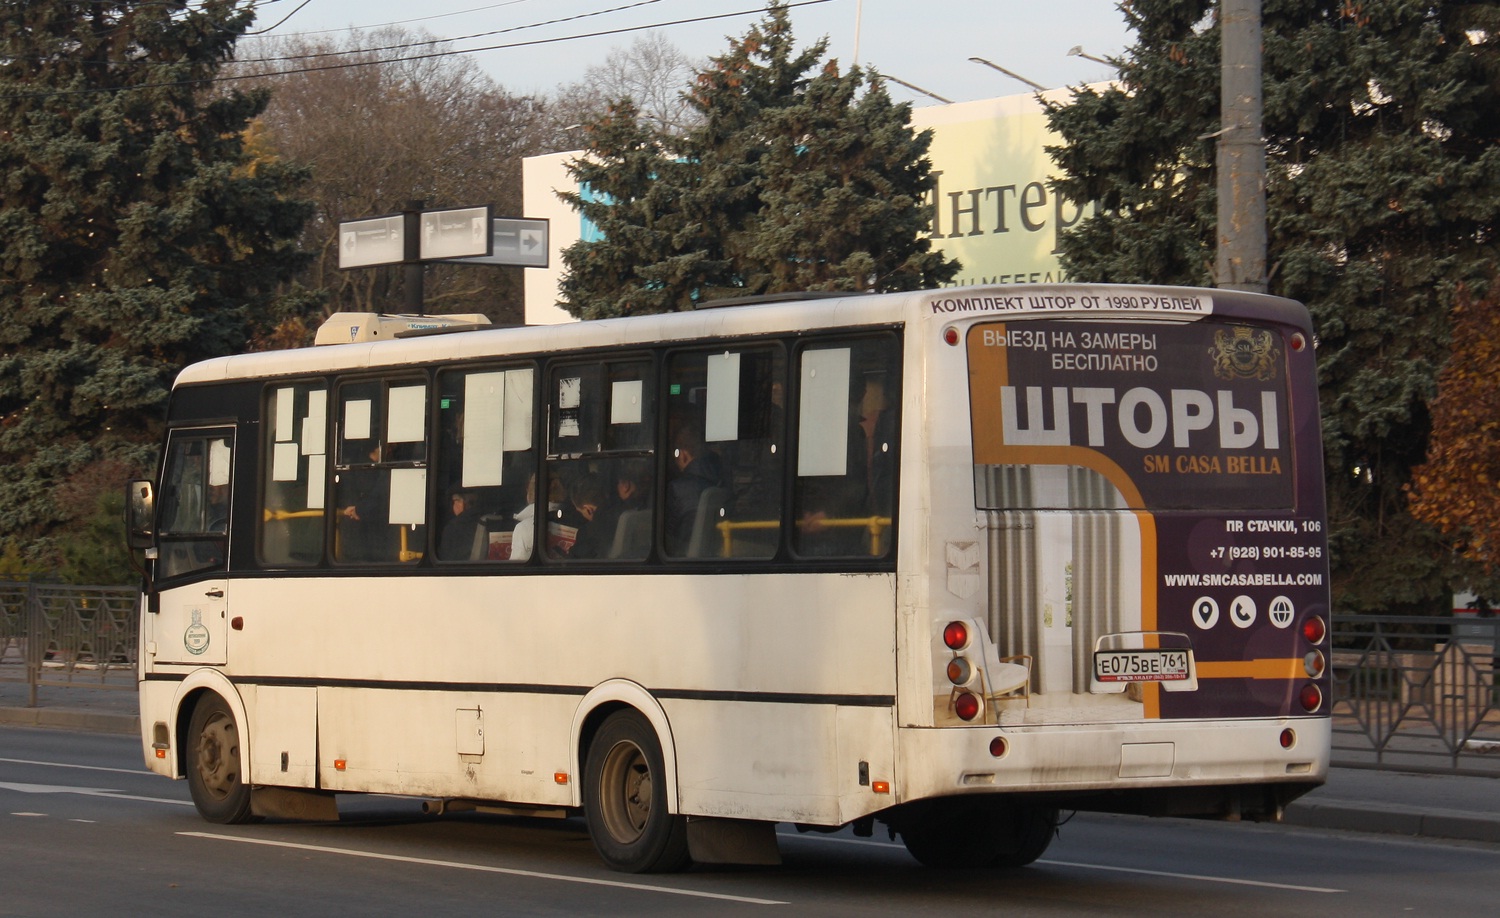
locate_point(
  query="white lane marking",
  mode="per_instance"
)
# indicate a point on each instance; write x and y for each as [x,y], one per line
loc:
[1154,873]
[118,771]
[55,789]
[1194,876]
[459,865]
[86,792]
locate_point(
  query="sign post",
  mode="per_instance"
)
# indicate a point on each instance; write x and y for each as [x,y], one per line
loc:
[465,235]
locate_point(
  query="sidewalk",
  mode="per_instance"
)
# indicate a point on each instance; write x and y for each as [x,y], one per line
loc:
[1401,803]
[1387,802]
[85,704]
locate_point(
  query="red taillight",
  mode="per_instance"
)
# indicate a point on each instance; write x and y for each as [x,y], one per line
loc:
[1311,697]
[950,336]
[966,706]
[1314,629]
[1288,738]
[956,635]
[1298,341]
[999,747]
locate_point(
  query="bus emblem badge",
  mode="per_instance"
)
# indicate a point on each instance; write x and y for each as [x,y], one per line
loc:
[1244,353]
[195,638]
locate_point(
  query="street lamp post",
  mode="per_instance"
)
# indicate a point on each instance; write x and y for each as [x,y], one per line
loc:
[1014,76]
[1077,51]
[915,88]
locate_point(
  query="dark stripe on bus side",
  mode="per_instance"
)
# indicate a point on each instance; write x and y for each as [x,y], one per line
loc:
[523,688]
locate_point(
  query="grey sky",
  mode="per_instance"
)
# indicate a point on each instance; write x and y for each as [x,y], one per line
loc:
[925,43]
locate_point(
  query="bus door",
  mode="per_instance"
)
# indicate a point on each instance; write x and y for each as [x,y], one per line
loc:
[193,548]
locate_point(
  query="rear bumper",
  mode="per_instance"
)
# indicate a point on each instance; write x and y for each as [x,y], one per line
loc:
[1188,768]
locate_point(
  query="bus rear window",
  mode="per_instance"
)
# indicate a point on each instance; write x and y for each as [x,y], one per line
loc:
[1075,415]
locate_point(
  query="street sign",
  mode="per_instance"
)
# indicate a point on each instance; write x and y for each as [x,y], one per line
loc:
[518,241]
[377,241]
[455,233]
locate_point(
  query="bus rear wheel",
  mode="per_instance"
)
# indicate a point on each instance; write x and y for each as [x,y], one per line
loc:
[215,770]
[970,832]
[625,799]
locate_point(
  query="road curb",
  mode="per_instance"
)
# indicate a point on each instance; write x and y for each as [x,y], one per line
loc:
[123,724]
[1389,820]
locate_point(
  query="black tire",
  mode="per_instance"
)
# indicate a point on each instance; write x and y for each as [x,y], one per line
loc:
[974,832]
[625,799]
[215,767]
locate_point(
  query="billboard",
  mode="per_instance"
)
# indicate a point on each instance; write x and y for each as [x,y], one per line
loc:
[992,209]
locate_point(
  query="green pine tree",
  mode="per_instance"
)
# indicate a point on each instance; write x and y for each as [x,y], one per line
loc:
[1381,122]
[649,258]
[136,234]
[793,179]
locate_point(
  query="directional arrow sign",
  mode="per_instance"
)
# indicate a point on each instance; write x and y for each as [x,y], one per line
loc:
[454,233]
[377,241]
[519,241]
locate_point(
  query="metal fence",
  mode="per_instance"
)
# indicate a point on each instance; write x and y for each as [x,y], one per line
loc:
[1416,693]
[56,635]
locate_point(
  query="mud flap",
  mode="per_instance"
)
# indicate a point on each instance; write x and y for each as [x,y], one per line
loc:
[289,803]
[732,841]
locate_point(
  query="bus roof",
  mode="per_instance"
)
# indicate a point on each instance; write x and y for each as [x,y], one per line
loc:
[955,305]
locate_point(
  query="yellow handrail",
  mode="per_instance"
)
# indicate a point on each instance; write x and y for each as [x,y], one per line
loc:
[876,525]
[405,555]
[279,515]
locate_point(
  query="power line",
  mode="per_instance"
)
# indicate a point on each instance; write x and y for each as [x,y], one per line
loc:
[380,25]
[410,58]
[431,41]
[300,7]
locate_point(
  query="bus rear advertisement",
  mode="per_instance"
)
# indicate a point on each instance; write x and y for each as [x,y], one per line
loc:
[948,562]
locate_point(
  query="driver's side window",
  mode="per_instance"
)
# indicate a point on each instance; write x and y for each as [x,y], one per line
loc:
[194,520]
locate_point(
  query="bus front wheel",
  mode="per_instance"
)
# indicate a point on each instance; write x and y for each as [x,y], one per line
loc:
[969,832]
[214,767]
[625,799]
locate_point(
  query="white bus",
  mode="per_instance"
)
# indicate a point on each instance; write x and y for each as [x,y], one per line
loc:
[948,561]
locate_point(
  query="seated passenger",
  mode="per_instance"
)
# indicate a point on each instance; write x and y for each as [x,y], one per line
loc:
[457,542]
[633,484]
[523,537]
[593,516]
[698,469]
[365,533]
[626,520]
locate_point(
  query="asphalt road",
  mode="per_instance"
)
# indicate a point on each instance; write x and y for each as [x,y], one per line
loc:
[85,830]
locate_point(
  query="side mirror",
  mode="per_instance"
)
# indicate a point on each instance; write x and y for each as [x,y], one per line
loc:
[140,515]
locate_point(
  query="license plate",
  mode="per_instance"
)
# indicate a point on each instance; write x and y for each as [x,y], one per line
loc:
[1163,665]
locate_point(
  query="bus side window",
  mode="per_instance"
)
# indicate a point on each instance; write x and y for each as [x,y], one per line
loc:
[295,467]
[602,420]
[380,481]
[485,462]
[194,529]
[845,490]
[726,452]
